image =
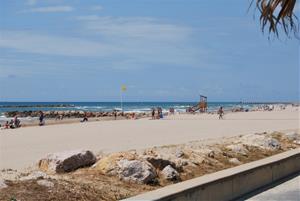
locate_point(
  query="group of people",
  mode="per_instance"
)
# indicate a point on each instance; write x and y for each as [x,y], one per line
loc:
[13,123]
[157,113]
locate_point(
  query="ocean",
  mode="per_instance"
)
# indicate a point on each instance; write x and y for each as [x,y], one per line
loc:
[109,106]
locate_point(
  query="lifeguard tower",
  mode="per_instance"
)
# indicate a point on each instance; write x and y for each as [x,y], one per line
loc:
[203,104]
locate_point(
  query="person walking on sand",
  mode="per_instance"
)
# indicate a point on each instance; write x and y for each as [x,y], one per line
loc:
[221,113]
[41,118]
[85,118]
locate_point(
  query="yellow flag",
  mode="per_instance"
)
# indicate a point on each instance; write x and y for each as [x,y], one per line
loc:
[123,88]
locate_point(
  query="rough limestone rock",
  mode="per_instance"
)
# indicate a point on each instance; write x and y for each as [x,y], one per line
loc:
[2,184]
[260,141]
[196,160]
[292,136]
[205,151]
[235,161]
[160,163]
[238,149]
[296,142]
[169,173]
[67,161]
[10,174]
[109,164]
[179,153]
[35,175]
[45,183]
[136,171]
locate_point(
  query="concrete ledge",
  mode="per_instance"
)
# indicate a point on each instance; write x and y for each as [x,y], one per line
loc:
[231,183]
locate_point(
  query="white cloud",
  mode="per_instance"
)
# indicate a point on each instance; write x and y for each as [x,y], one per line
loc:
[53,45]
[50,9]
[135,27]
[121,43]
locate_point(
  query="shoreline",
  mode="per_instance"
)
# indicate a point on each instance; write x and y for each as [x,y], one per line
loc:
[29,121]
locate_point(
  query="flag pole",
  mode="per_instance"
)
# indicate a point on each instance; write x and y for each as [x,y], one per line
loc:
[123,88]
[122,101]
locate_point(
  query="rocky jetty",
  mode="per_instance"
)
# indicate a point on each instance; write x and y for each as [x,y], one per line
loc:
[37,106]
[69,114]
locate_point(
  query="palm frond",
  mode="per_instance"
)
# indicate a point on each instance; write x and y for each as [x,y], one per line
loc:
[278,13]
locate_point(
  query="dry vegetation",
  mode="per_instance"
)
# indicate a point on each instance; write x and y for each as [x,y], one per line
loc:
[90,184]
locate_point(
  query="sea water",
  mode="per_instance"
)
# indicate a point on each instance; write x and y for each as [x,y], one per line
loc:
[110,106]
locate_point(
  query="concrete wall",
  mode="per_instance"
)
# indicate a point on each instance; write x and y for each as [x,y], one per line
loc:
[231,183]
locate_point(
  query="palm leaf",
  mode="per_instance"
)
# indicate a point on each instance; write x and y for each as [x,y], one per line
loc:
[277,13]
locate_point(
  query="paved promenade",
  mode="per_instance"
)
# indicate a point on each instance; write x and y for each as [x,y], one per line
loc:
[287,191]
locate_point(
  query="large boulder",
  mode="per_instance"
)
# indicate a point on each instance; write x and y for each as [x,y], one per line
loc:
[169,173]
[136,171]
[67,161]
[109,164]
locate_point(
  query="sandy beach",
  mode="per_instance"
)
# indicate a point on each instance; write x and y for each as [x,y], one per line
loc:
[20,148]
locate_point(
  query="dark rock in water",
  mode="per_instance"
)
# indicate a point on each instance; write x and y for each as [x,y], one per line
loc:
[66,114]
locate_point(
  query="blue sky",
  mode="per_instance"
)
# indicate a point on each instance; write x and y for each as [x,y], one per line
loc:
[163,50]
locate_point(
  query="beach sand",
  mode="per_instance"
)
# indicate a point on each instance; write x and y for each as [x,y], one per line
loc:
[20,148]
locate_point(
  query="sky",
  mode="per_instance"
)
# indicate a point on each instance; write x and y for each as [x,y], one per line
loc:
[162,50]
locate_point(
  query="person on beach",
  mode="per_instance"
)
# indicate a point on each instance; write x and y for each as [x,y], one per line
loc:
[172,111]
[153,113]
[161,114]
[17,122]
[11,124]
[115,114]
[6,125]
[41,118]
[221,113]
[85,118]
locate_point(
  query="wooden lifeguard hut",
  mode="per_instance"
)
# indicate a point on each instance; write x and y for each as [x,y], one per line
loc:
[203,104]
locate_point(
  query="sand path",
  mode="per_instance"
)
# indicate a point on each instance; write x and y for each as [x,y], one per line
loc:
[22,147]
